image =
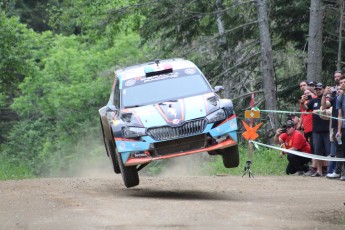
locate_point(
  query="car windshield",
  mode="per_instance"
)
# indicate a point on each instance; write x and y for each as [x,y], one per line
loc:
[164,90]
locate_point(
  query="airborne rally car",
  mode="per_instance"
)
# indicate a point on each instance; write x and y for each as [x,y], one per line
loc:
[165,109]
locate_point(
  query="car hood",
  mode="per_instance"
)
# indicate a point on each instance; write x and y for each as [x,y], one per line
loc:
[172,113]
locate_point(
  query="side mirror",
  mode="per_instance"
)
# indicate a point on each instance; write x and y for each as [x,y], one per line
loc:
[111,108]
[218,89]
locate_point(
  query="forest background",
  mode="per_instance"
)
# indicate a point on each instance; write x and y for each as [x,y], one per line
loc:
[57,59]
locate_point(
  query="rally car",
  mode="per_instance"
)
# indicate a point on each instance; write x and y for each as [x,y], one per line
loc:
[164,109]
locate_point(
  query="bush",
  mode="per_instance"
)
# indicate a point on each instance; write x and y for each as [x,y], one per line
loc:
[9,171]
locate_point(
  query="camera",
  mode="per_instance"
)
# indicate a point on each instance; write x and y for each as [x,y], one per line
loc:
[283,129]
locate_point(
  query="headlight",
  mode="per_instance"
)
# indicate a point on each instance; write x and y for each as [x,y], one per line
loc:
[219,115]
[133,131]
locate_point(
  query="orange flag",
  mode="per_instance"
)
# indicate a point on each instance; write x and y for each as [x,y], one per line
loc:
[250,132]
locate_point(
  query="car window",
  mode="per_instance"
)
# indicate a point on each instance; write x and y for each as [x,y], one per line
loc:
[117,94]
[164,90]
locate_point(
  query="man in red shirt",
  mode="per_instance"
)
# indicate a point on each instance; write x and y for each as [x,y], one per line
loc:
[293,140]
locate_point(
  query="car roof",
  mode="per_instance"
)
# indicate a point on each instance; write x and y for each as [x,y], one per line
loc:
[138,70]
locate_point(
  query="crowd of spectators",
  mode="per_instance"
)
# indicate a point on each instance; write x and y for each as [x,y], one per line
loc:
[319,130]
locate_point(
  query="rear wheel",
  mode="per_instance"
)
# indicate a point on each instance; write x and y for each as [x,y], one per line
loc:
[230,155]
[129,173]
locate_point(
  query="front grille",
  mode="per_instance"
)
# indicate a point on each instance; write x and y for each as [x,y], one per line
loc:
[168,132]
[180,145]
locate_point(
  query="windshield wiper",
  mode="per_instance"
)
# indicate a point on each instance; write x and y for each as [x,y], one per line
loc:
[163,103]
[132,106]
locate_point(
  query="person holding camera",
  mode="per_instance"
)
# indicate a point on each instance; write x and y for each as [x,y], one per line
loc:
[340,134]
[293,140]
[320,130]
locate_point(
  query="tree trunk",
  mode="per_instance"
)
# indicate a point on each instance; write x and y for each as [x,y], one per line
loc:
[267,62]
[223,50]
[340,36]
[315,41]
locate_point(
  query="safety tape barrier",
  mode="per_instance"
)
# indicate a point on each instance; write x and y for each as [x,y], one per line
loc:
[302,154]
[289,112]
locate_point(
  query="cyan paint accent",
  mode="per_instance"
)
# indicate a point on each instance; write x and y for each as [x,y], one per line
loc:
[125,146]
[148,139]
[233,135]
[125,156]
[227,127]
[208,128]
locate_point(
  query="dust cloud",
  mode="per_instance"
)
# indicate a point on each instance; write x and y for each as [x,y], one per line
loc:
[190,165]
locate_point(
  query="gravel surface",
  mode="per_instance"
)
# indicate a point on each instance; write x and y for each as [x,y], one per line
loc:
[173,202]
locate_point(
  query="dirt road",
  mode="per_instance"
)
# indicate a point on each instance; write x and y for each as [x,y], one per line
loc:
[192,202]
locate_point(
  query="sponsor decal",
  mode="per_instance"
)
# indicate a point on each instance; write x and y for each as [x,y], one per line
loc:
[172,111]
[130,82]
[138,154]
[176,121]
[190,71]
[161,77]
[122,145]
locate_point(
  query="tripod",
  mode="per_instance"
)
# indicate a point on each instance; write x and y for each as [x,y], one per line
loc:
[247,169]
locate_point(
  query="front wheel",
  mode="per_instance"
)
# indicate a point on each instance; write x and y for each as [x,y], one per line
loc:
[231,157]
[129,173]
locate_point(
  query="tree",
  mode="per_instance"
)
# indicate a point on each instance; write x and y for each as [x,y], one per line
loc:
[315,41]
[267,61]
[16,62]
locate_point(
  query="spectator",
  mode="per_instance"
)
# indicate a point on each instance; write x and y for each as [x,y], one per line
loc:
[307,125]
[340,105]
[333,93]
[320,130]
[330,95]
[337,75]
[303,85]
[311,86]
[293,140]
[293,117]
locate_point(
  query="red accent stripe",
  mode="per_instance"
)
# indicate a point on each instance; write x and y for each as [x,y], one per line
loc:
[123,139]
[222,145]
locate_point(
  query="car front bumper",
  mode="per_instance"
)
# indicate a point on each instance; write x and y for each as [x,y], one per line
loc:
[135,152]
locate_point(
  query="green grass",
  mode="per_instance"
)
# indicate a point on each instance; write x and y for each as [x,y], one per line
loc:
[264,162]
[343,221]
[9,171]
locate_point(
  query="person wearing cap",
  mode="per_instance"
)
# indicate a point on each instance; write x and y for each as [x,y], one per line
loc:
[312,85]
[293,117]
[320,130]
[293,140]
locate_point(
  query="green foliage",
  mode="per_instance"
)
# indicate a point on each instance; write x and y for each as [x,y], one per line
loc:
[16,59]
[12,171]
[64,97]
[264,162]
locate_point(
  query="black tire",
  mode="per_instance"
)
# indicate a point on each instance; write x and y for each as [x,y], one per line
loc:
[231,156]
[129,173]
[110,149]
[111,153]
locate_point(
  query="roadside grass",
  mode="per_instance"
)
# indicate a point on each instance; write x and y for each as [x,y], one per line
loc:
[264,162]
[10,171]
[343,221]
